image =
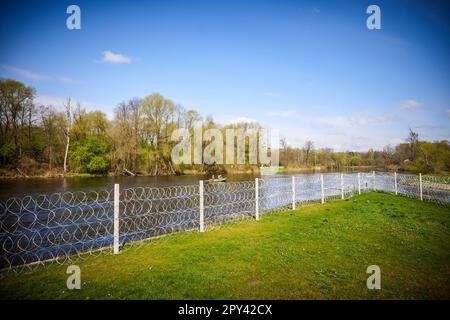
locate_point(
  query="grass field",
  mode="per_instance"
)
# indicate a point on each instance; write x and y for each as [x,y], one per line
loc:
[317,252]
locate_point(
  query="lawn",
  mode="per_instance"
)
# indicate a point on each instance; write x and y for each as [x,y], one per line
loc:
[316,252]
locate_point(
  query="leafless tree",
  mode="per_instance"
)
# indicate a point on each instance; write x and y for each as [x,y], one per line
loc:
[308,148]
[69,116]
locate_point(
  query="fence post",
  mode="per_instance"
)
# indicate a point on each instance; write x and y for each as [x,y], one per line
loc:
[293,192]
[202,222]
[342,186]
[420,186]
[359,183]
[256,198]
[395,183]
[322,194]
[116,217]
[373,180]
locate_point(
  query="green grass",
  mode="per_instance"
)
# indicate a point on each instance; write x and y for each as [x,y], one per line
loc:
[317,252]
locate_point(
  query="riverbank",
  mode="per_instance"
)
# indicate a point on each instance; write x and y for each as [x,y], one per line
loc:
[6,173]
[11,174]
[14,174]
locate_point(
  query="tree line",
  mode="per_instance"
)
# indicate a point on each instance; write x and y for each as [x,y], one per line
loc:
[42,140]
[414,155]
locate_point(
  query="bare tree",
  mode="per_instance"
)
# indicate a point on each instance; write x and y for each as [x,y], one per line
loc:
[284,147]
[69,113]
[413,140]
[309,146]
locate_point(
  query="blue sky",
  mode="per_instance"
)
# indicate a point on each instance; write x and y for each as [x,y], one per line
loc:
[309,68]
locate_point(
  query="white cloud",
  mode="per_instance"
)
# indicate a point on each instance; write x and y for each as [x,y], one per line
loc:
[349,140]
[429,127]
[111,57]
[448,112]
[24,73]
[341,133]
[31,75]
[344,121]
[241,120]
[410,104]
[49,101]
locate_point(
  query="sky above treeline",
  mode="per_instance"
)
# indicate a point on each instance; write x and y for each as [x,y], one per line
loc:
[309,68]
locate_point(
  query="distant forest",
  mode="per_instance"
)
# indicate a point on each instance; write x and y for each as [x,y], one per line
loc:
[38,140]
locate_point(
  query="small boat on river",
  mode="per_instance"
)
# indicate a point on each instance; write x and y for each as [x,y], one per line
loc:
[218,179]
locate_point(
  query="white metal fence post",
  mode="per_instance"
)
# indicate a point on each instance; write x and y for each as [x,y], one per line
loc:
[256,198]
[322,194]
[359,183]
[116,217]
[342,186]
[420,186]
[395,183]
[202,222]
[374,180]
[293,192]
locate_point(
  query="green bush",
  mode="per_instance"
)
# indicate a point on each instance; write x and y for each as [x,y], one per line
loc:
[97,165]
[90,154]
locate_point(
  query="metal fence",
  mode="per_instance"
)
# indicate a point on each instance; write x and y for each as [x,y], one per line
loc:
[65,227]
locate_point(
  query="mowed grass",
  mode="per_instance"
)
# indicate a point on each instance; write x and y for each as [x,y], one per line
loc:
[316,252]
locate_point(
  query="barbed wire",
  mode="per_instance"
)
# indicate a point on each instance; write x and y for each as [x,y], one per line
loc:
[68,226]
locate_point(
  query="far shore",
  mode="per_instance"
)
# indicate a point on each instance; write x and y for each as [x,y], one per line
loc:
[10,174]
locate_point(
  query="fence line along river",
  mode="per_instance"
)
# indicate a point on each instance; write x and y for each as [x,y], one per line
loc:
[63,226]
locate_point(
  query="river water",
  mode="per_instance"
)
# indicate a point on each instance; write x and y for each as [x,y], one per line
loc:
[32,186]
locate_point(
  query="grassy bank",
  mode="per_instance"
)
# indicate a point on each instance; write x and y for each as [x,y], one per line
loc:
[320,251]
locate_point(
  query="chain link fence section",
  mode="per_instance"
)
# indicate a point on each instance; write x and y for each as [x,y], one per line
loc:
[382,181]
[64,227]
[332,186]
[367,181]
[436,188]
[408,185]
[59,227]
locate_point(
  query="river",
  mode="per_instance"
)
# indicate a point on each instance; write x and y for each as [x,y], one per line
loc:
[32,186]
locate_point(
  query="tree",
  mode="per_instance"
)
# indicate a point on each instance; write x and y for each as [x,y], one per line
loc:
[126,134]
[413,139]
[69,117]
[53,124]
[16,114]
[284,147]
[191,118]
[157,116]
[308,148]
